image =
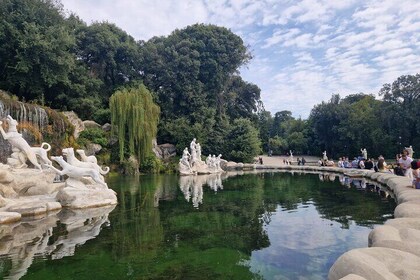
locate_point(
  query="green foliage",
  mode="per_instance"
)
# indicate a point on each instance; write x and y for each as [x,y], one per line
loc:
[93,135]
[278,145]
[134,118]
[183,131]
[152,164]
[242,141]
[102,116]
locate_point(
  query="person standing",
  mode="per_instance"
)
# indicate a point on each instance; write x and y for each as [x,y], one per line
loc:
[405,164]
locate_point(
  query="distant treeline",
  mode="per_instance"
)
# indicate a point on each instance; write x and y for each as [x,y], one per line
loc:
[342,126]
[54,59]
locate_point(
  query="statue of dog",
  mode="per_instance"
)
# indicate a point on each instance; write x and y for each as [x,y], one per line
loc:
[75,171]
[71,159]
[17,141]
[86,158]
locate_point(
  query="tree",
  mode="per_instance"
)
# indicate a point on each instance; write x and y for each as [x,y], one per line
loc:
[242,99]
[279,118]
[265,123]
[190,69]
[134,116]
[402,103]
[35,43]
[324,119]
[242,141]
[110,54]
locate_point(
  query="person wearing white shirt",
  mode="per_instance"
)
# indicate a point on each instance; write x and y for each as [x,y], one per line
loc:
[405,164]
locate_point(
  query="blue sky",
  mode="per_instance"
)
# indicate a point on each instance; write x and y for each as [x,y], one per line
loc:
[304,51]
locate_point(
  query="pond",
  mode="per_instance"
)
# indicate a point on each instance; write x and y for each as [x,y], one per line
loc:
[269,225]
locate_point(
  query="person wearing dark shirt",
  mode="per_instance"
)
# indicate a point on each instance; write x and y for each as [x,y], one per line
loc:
[368,164]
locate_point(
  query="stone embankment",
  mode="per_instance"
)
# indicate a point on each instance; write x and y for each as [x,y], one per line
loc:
[394,248]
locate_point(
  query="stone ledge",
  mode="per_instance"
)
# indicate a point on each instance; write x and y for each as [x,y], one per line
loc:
[376,263]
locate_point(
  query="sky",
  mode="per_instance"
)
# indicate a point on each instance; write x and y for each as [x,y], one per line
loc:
[303,51]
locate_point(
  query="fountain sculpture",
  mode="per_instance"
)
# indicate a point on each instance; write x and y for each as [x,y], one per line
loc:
[191,162]
[26,191]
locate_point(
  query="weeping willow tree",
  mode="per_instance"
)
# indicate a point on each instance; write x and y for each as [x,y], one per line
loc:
[134,118]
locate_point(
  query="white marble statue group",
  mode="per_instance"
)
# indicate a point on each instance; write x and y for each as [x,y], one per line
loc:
[37,156]
[191,162]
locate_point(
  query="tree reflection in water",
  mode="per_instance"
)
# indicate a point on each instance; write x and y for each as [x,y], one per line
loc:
[233,226]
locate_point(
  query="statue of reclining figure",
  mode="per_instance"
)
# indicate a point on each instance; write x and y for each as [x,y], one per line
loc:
[17,141]
[76,172]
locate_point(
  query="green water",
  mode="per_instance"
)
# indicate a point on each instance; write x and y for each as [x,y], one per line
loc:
[251,226]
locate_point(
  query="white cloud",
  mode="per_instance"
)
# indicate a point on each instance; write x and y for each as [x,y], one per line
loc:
[304,50]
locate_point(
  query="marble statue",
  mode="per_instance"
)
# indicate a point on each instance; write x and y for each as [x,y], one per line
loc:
[217,162]
[72,160]
[191,161]
[86,158]
[198,148]
[77,172]
[324,155]
[208,160]
[364,153]
[194,158]
[193,145]
[28,192]
[21,147]
[184,165]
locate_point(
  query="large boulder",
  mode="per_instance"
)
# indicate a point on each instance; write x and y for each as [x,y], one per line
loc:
[85,194]
[76,122]
[163,151]
[91,124]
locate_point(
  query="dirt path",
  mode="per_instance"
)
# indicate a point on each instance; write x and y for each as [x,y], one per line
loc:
[278,160]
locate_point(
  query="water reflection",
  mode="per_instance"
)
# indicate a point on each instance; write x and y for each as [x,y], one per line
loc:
[192,186]
[54,236]
[359,183]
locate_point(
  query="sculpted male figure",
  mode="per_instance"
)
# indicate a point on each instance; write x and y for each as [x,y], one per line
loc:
[324,155]
[364,153]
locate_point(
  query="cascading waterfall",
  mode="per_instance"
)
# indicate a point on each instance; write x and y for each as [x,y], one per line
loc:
[25,113]
[33,115]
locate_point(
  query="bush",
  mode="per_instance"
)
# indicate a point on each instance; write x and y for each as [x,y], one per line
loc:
[151,165]
[93,135]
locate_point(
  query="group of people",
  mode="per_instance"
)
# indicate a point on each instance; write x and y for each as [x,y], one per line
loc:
[404,165]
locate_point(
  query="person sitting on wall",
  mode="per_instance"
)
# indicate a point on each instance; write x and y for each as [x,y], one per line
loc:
[303,161]
[361,164]
[416,174]
[260,160]
[340,163]
[320,163]
[355,163]
[369,164]
[299,162]
[405,164]
[381,166]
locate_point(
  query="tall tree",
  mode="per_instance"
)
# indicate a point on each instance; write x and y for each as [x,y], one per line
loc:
[402,103]
[110,54]
[35,44]
[190,69]
[135,116]
[242,141]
